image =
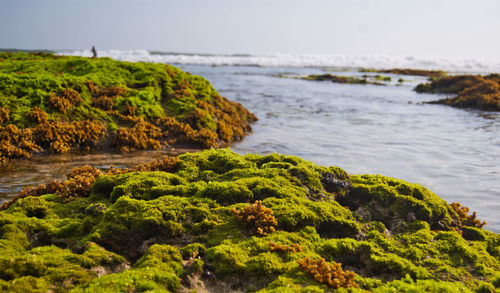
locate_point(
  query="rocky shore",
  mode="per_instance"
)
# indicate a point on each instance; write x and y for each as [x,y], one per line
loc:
[56,104]
[217,221]
[213,221]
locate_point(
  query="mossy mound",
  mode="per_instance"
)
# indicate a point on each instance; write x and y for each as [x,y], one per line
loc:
[473,91]
[408,71]
[60,103]
[192,223]
[345,79]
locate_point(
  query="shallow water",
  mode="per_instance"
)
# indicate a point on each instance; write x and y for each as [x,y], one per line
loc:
[361,128]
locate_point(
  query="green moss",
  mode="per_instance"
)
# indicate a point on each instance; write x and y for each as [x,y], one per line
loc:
[193,250]
[136,280]
[160,231]
[342,79]
[383,78]
[114,94]
[296,213]
[397,198]
[409,285]
[140,186]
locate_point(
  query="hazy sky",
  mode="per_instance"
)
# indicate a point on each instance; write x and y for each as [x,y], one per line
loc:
[440,28]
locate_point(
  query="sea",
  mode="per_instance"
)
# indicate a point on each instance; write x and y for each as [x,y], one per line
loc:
[364,129]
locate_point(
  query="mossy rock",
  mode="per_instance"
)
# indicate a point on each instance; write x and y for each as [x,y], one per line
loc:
[472,91]
[177,231]
[61,103]
[344,79]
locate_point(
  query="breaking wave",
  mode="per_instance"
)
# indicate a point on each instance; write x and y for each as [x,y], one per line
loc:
[291,60]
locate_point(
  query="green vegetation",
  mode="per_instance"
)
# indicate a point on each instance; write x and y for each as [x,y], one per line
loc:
[383,78]
[59,103]
[340,69]
[407,71]
[192,223]
[342,79]
[473,91]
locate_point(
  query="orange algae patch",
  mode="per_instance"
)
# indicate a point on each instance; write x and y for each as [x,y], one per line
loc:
[64,102]
[259,218]
[112,91]
[330,274]
[294,247]
[79,182]
[16,143]
[38,115]
[4,115]
[105,103]
[60,137]
[464,219]
[165,163]
[142,136]
[178,132]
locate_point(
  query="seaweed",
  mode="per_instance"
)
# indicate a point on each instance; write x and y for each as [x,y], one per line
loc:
[473,91]
[16,143]
[142,136]
[330,274]
[37,116]
[259,218]
[60,137]
[464,219]
[448,84]
[165,163]
[294,247]
[65,101]
[192,222]
[4,115]
[48,94]
[408,71]
[78,184]
[341,79]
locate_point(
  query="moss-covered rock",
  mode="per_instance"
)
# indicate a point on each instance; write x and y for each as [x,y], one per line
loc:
[473,91]
[407,71]
[195,226]
[347,79]
[60,103]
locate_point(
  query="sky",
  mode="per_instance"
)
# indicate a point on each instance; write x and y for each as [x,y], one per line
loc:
[424,28]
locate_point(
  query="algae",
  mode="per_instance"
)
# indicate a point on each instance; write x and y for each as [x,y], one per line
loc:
[178,225]
[345,79]
[62,103]
[472,91]
[407,71]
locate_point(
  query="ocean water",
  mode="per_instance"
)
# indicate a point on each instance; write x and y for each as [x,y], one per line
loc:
[361,128]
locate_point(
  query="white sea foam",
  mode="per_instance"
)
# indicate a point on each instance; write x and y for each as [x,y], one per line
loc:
[289,60]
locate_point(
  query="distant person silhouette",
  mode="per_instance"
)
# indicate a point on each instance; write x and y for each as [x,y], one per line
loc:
[94,52]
